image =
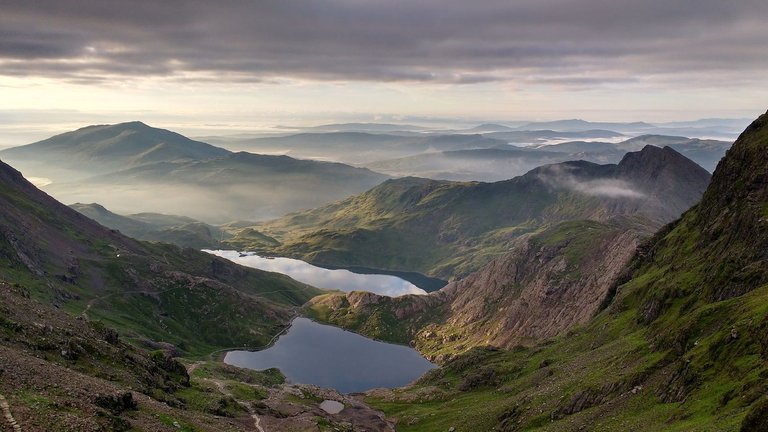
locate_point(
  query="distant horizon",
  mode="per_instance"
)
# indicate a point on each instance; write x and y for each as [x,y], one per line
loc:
[16,131]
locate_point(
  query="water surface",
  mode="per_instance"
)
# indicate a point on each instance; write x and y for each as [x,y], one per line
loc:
[333,279]
[312,353]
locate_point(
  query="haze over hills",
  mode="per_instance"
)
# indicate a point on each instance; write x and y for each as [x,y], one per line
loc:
[132,168]
[179,230]
[72,282]
[100,149]
[673,340]
[448,229]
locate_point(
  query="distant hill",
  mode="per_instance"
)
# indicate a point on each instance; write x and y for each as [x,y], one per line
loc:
[575,125]
[178,230]
[104,148]
[238,186]
[447,229]
[132,168]
[504,162]
[361,147]
[705,152]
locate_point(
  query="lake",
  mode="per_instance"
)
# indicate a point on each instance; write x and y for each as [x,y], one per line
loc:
[332,279]
[327,356]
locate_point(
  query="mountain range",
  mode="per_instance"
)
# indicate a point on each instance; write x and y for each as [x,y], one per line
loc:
[565,334]
[131,167]
[447,229]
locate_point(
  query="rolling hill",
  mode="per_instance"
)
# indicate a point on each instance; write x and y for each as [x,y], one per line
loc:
[100,149]
[133,168]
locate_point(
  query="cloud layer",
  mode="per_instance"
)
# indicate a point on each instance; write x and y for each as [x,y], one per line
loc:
[552,42]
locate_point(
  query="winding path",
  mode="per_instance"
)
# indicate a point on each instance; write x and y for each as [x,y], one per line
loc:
[12,421]
[222,387]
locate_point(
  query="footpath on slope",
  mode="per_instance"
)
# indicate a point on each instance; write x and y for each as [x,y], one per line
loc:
[6,409]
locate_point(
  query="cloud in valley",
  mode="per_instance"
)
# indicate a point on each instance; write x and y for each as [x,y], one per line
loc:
[564,176]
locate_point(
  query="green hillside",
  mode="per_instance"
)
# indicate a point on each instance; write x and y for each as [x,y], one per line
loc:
[680,346]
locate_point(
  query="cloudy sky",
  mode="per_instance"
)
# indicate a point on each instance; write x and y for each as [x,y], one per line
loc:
[242,62]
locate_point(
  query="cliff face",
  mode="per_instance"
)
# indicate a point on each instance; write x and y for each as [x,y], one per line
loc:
[549,284]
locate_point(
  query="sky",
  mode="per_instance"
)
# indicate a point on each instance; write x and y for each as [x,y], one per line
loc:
[236,65]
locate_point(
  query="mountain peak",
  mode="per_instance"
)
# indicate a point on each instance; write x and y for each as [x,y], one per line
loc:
[653,161]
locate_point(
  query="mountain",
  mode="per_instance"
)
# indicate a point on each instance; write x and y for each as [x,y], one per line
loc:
[490,127]
[238,186]
[447,229]
[361,147]
[178,230]
[539,136]
[677,343]
[100,149]
[705,152]
[145,290]
[132,168]
[506,161]
[492,164]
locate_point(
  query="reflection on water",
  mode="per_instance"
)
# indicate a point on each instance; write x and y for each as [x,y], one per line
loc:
[312,353]
[342,280]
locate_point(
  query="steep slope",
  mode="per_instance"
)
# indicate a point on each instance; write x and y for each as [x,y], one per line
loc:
[681,344]
[104,148]
[61,373]
[447,229]
[550,282]
[145,290]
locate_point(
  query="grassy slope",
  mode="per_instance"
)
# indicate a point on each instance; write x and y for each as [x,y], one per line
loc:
[145,290]
[449,229]
[682,346]
[62,373]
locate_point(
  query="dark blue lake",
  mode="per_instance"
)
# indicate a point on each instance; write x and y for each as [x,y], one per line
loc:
[312,353]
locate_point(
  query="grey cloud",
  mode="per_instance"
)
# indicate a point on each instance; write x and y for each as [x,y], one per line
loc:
[566,42]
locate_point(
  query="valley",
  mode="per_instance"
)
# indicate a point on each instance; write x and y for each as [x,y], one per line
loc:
[537,267]
[383,216]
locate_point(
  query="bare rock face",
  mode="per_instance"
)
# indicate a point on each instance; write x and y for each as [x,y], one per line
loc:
[548,284]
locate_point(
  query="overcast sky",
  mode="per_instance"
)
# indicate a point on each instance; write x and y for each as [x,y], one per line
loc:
[266,61]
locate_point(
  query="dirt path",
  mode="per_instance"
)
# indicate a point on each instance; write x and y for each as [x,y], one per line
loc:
[222,387]
[6,409]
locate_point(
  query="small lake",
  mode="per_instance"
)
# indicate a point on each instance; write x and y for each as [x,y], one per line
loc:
[332,279]
[312,353]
